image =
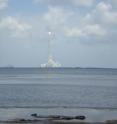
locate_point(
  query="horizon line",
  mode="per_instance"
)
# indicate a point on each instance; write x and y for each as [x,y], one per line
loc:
[13,67]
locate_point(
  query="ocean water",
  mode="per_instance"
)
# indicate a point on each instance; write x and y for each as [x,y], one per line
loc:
[58,88]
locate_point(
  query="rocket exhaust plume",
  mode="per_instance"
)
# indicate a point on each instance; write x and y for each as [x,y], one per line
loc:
[50,63]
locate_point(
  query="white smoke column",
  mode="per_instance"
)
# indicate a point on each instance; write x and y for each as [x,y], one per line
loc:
[49,45]
[51,62]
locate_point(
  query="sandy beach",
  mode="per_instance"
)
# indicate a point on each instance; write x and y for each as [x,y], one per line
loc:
[23,115]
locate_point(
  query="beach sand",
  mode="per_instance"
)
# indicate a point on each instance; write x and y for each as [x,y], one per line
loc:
[23,115]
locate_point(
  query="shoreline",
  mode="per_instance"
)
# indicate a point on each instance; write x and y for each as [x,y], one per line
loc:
[92,115]
[52,107]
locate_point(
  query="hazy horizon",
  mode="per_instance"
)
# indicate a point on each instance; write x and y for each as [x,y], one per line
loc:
[36,67]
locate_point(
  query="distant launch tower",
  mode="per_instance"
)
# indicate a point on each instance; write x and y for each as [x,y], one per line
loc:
[50,63]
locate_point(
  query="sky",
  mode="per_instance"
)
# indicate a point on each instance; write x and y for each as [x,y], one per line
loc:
[84,32]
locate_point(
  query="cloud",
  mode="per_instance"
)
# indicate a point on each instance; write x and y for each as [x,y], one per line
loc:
[112,2]
[74,32]
[103,13]
[98,22]
[86,31]
[15,26]
[66,2]
[106,13]
[56,17]
[3,4]
[94,30]
[94,24]
[83,2]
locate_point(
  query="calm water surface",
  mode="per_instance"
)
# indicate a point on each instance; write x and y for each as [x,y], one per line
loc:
[65,87]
